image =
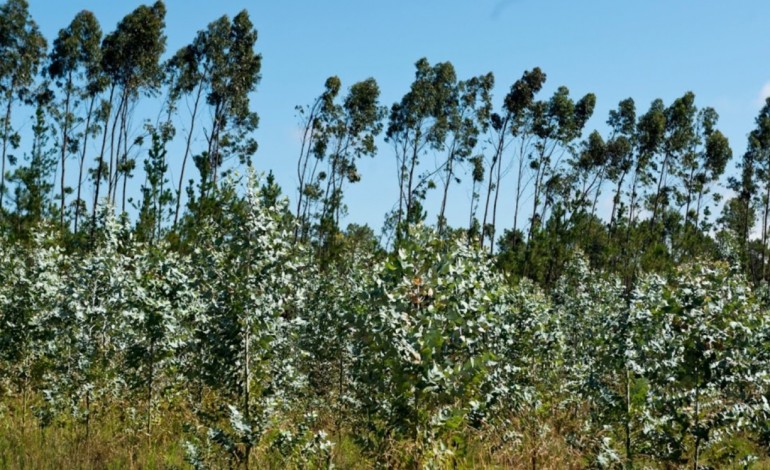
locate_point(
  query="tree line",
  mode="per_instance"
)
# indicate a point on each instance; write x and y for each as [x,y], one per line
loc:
[660,170]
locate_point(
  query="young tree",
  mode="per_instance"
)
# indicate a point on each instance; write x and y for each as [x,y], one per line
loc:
[591,315]
[32,194]
[30,295]
[695,341]
[156,195]
[422,330]
[247,275]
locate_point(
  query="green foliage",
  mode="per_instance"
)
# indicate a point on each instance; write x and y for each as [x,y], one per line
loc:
[696,342]
[419,344]
[612,324]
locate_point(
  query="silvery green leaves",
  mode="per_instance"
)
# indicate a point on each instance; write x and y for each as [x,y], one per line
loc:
[697,343]
[242,339]
[420,345]
[28,299]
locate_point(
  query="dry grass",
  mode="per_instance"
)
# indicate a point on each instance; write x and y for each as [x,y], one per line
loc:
[64,444]
[114,443]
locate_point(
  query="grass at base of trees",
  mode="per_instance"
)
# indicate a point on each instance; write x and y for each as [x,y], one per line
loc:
[113,443]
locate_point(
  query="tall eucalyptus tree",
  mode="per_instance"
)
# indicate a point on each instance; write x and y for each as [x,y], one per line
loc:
[620,147]
[513,122]
[650,130]
[757,159]
[233,72]
[74,62]
[187,78]
[130,60]
[557,124]
[588,170]
[679,137]
[418,123]
[22,48]
[351,132]
[469,119]
[702,167]
[314,143]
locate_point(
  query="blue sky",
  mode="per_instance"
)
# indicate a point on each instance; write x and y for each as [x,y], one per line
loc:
[719,50]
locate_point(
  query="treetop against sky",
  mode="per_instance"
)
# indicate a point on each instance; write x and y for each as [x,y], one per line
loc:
[644,50]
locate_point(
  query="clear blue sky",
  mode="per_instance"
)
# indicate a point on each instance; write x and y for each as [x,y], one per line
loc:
[657,48]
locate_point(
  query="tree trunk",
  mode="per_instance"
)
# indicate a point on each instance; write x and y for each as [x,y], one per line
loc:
[450,173]
[65,129]
[302,166]
[101,162]
[6,130]
[188,143]
[83,159]
[494,183]
[112,181]
[656,202]
[765,212]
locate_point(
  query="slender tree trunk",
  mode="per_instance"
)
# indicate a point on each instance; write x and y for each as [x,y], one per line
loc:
[125,186]
[6,137]
[450,173]
[83,159]
[698,208]
[65,136]
[88,415]
[498,178]
[536,198]
[598,193]
[656,201]
[616,200]
[101,163]
[627,423]
[246,389]
[412,166]
[689,197]
[493,230]
[150,380]
[302,166]
[188,143]
[113,168]
[490,187]
[494,184]
[765,212]
[307,205]
[474,206]
[214,158]
[123,157]
[401,160]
